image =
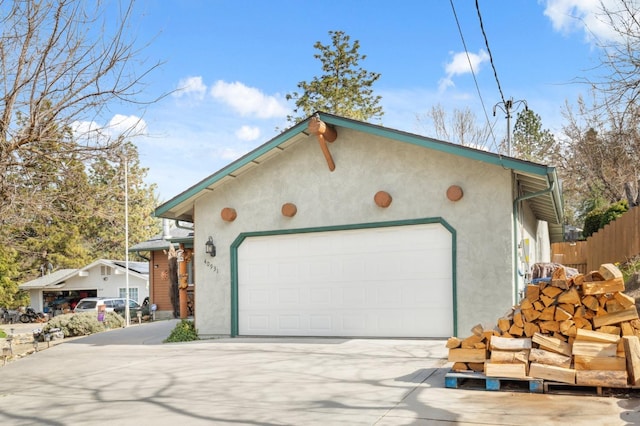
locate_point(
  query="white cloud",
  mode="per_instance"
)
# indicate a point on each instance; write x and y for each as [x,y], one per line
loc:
[568,16]
[191,87]
[248,133]
[248,101]
[462,63]
[119,125]
[127,125]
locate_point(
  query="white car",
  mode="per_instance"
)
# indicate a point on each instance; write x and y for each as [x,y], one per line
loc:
[112,304]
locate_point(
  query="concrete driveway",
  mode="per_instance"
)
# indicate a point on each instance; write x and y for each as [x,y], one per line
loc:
[128,377]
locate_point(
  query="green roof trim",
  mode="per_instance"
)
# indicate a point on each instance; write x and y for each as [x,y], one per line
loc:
[251,156]
[545,172]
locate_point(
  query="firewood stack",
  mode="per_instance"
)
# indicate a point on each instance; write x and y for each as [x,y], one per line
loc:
[578,329]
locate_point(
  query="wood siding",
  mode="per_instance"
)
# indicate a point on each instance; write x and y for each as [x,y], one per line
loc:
[160,281]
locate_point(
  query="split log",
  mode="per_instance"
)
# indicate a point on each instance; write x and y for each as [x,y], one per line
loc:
[586,362]
[596,336]
[591,302]
[594,349]
[516,371]
[559,278]
[530,329]
[632,350]
[616,317]
[533,292]
[476,366]
[541,356]
[602,287]
[625,300]
[509,357]
[552,344]
[613,306]
[501,343]
[626,329]
[612,379]
[460,366]
[570,296]
[610,329]
[467,355]
[551,292]
[552,373]
[609,271]
[530,315]
[453,342]
[504,324]
[471,341]
[561,314]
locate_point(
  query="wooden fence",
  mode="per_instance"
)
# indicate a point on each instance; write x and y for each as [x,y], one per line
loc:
[618,241]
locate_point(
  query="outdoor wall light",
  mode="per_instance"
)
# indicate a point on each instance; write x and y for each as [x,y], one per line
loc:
[210,248]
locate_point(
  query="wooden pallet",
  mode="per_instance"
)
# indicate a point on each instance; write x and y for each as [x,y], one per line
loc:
[472,380]
[571,389]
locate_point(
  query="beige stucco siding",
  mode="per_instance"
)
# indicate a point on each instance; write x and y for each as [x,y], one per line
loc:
[417,178]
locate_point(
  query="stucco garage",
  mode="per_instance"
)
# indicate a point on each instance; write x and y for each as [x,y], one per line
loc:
[387,281]
[282,217]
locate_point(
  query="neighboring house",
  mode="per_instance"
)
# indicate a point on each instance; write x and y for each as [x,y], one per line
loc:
[159,281]
[59,290]
[408,236]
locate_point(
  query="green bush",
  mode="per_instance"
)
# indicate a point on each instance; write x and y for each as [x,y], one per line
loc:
[613,212]
[597,219]
[2,334]
[83,324]
[592,222]
[185,331]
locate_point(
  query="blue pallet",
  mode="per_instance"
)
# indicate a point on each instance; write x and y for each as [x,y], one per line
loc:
[478,380]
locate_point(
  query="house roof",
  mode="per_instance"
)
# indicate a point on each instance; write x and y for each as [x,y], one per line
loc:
[49,280]
[56,279]
[162,241]
[532,178]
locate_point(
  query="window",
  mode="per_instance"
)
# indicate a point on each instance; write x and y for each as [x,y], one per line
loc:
[133,293]
[105,270]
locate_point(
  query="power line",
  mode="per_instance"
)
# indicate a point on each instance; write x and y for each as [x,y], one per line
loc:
[475,80]
[486,43]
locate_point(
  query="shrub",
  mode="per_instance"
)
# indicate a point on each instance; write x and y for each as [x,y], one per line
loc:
[613,212]
[83,324]
[2,334]
[597,219]
[592,222]
[185,331]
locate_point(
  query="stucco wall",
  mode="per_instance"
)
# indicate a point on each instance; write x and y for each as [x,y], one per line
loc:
[416,178]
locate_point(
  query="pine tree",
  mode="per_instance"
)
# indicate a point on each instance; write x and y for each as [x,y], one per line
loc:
[343,89]
[531,142]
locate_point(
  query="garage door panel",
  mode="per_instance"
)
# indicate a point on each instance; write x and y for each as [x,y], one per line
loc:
[383,282]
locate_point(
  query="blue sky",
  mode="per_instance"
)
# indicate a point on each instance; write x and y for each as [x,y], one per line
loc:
[235,61]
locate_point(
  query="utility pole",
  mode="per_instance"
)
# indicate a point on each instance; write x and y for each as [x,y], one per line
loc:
[506,107]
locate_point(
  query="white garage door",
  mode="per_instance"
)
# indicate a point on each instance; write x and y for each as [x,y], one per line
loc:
[380,282]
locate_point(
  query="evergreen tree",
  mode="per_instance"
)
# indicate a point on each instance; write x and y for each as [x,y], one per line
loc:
[531,142]
[106,224]
[343,89]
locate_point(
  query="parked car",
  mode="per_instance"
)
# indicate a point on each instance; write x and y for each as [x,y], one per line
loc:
[134,307]
[112,304]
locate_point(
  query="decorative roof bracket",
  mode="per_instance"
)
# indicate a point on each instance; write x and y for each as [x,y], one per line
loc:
[324,134]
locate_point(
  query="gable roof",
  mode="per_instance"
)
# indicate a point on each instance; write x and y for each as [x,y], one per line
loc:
[162,241]
[532,178]
[56,279]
